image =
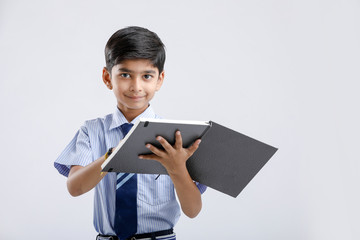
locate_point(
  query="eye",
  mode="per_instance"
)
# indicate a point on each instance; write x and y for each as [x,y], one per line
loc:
[124,75]
[147,76]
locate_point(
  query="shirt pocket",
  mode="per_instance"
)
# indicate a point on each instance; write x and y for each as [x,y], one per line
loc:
[155,192]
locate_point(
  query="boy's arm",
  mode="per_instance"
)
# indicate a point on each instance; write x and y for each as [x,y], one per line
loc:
[174,158]
[83,179]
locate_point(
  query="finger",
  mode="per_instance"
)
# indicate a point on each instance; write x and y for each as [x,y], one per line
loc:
[178,140]
[193,147]
[155,150]
[166,145]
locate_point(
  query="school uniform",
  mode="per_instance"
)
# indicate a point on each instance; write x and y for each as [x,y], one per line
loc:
[157,207]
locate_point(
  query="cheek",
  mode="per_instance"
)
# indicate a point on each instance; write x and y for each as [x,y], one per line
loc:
[119,85]
[154,89]
[117,90]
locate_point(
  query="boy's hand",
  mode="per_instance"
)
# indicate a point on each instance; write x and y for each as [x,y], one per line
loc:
[173,158]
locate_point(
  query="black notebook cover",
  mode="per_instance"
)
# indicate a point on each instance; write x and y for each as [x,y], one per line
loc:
[225,160]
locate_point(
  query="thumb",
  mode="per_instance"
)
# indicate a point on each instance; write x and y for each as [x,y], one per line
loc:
[193,147]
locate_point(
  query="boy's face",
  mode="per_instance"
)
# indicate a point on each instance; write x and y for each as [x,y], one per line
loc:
[134,83]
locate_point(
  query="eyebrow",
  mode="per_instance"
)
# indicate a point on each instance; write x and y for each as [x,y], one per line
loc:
[130,71]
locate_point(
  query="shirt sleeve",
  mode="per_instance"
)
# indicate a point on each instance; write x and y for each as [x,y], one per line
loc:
[202,188]
[78,152]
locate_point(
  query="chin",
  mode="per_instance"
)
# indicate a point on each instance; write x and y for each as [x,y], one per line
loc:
[137,106]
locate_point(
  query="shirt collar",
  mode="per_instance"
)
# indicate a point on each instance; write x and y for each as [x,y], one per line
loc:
[118,117]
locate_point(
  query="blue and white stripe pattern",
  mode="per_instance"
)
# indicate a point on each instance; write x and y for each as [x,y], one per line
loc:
[157,206]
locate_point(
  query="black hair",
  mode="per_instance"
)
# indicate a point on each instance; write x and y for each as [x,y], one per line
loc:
[134,43]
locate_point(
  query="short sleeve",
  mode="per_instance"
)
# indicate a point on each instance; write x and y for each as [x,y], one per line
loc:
[77,152]
[202,188]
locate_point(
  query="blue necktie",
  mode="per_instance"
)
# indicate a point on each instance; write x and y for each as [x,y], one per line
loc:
[126,209]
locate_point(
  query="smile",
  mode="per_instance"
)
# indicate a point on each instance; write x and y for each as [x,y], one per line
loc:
[136,97]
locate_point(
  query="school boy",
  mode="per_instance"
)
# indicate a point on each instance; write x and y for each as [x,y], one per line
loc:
[131,206]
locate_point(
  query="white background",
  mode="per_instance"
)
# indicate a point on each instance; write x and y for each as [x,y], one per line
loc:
[284,72]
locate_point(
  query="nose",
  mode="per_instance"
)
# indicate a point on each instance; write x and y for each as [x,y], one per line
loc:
[136,85]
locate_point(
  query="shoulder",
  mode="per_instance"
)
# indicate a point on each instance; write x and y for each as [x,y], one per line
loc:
[97,124]
[158,116]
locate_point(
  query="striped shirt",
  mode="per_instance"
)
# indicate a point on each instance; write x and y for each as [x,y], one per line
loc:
[157,207]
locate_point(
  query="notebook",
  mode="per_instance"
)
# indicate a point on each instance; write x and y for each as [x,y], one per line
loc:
[226,160]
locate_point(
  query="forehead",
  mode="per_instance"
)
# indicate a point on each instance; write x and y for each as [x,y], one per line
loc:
[136,66]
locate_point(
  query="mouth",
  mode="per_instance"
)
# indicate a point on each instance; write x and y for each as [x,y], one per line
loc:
[135,98]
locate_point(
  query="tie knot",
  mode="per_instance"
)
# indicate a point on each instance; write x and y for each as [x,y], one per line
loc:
[125,128]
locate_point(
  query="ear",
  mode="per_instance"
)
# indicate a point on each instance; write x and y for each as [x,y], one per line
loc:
[106,76]
[160,81]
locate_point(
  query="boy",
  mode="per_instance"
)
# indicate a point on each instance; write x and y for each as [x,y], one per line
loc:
[131,206]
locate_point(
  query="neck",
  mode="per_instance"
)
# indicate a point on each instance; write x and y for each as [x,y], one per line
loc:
[131,114]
